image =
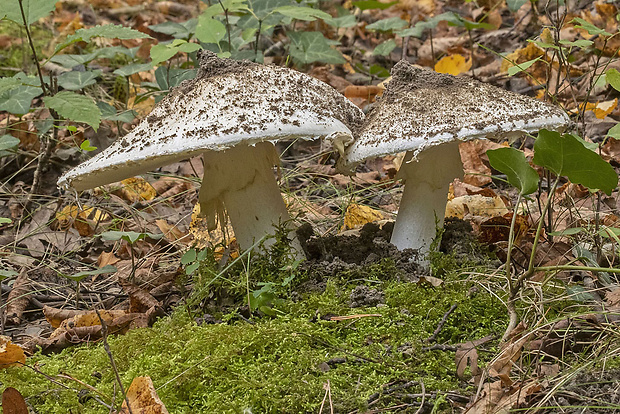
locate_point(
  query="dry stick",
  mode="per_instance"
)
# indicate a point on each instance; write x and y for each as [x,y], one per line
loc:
[441,324]
[106,346]
[423,393]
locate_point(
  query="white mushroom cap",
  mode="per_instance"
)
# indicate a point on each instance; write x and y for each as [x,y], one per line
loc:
[421,109]
[230,102]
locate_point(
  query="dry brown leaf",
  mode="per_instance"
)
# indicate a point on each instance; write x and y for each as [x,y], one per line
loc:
[475,161]
[55,316]
[170,231]
[495,399]
[13,402]
[453,64]
[601,109]
[613,297]
[357,215]
[143,398]
[85,319]
[433,281]
[511,351]
[467,356]
[18,299]
[107,258]
[497,229]
[10,354]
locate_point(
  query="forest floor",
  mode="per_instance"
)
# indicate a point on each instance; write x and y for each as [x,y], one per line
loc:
[357,327]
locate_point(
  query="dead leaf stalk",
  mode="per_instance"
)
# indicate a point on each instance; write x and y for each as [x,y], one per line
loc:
[441,323]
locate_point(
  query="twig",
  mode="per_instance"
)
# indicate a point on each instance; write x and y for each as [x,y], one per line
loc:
[106,346]
[440,347]
[419,410]
[443,321]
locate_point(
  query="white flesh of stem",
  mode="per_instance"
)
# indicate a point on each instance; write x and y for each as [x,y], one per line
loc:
[423,205]
[241,179]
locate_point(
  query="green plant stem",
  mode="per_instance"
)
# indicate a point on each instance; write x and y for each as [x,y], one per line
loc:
[570,267]
[34,52]
[227,24]
[540,224]
[260,23]
[511,235]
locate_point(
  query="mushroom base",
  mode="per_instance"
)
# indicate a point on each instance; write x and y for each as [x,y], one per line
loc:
[424,200]
[241,181]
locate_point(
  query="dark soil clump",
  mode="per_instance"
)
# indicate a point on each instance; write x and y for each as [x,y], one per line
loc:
[364,296]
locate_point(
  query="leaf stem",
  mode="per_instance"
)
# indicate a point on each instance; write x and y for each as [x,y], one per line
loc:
[34,52]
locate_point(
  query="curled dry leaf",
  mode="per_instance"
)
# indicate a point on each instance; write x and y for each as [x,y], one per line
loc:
[18,299]
[475,161]
[143,398]
[497,399]
[476,205]
[357,215]
[136,189]
[10,354]
[467,356]
[511,352]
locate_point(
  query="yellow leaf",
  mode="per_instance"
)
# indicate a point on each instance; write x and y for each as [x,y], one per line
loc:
[10,353]
[137,189]
[453,64]
[602,109]
[201,235]
[358,215]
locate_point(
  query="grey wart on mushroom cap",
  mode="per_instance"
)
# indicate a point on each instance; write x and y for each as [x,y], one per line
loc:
[232,112]
[427,114]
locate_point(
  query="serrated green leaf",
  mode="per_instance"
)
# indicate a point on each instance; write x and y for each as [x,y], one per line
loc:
[580,294]
[385,25]
[521,67]
[108,31]
[74,81]
[514,5]
[132,68]
[307,14]
[33,10]
[75,107]
[109,113]
[565,155]
[519,172]
[176,30]
[309,47]
[209,30]
[385,48]
[589,27]
[373,4]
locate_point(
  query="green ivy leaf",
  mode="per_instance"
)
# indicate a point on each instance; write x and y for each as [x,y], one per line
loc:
[108,31]
[18,100]
[109,113]
[8,142]
[521,67]
[307,14]
[78,108]
[309,47]
[33,9]
[385,48]
[514,5]
[177,30]
[580,43]
[6,84]
[210,30]
[74,81]
[343,21]
[589,27]
[132,68]
[373,4]
[513,163]
[565,155]
[385,25]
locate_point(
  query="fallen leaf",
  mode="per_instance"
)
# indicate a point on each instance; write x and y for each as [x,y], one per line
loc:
[476,205]
[602,109]
[18,299]
[453,65]
[511,351]
[10,354]
[136,189]
[107,258]
[357,215]
[13,402]
[143,398]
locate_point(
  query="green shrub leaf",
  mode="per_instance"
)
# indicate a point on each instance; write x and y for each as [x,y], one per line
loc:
[515,5]
[565,155]
[18,100]
[589,27]
[309,47]
[385,48]
[613,77]
[210,30]
[373,4]
[520,173]
[78,108]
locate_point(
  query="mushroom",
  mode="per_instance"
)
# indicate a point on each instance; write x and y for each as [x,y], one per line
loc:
[232,113]
[427,114]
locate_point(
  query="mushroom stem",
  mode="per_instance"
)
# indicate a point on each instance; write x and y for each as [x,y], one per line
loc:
[423,205]
[241,180]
